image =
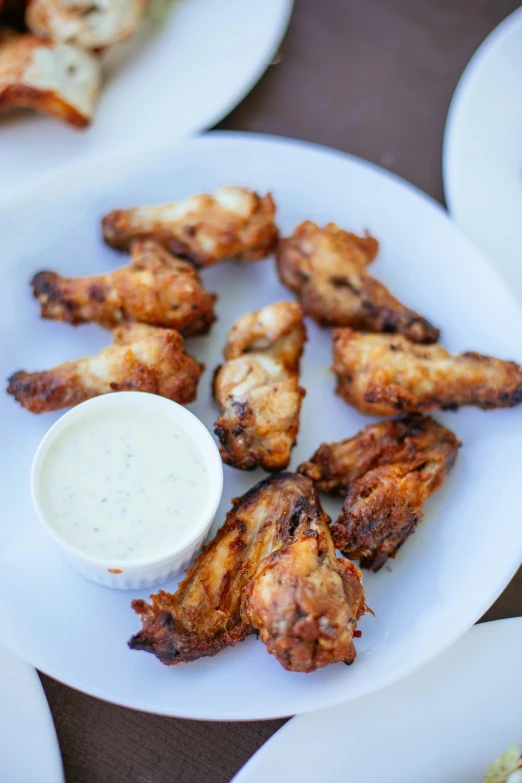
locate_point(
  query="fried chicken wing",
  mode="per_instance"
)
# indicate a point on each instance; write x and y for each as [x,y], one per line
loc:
[142,358]
[258,390]
[60,80]
[156,288]
[271,568]
[84,23]
[382,375]
[233,223]
[326,268]
[386,473]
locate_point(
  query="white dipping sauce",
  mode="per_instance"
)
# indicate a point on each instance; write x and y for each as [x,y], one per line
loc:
[124,484]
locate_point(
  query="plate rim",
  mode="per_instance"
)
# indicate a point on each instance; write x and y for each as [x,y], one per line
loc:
[501,583]
[479,56]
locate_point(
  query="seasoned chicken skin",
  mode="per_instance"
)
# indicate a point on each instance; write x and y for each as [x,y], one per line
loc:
[271,568]
[233,223]
[382,375]
[60,80]
[326,268]
[258,390]
[142,358]
[90,25]
[386,473]
[156,288]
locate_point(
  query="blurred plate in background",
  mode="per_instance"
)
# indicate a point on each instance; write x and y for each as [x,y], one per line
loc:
[175,79]
[482,161]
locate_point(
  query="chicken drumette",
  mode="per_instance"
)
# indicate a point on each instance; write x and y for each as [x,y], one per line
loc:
[382,375]
[271,568]
[257,388]
[233,223]
[156,288]
[142,358]
[326,268]
[385,473]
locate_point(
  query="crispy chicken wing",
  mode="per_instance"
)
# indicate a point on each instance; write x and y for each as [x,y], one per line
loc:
[258,390]
[156,288]
[326,268]
[233,223]
[271,568]
[91,25]
[386,473]
[56,79]
[142,358]
[382,375]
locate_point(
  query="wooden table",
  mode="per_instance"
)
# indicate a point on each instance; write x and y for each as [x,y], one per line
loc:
[374,78]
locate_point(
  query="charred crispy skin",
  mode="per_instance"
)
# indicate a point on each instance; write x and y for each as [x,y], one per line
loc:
[258,389]
[156,288]
[383,375]
[84,23]
[272,568]
[326,268]
[60,80]
[386,473]
[142,358]
[233,223]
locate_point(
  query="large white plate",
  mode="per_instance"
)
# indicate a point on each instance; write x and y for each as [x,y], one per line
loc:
[482,161]
[444,578]
[28,746]
[446,722]
[169,83]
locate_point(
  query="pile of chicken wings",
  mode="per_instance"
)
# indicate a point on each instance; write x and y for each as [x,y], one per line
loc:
[272,569]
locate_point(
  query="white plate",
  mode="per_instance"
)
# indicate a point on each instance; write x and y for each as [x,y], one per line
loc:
[169,83]
[447,574]
[447,722]
[28,746]
[482,160]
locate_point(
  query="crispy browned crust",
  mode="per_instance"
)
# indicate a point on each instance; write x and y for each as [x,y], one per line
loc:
[16,53]
[206,229]
[257,388]
[386,473]
[383,375]
[272,568]
[326,268]
[156,288]
[142,358]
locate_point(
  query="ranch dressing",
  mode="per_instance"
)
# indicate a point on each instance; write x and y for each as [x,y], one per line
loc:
[124,484]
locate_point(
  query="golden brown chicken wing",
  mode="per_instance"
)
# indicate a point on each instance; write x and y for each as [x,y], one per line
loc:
[258,390]
[272,568]
[142,358]
[56,79]
[233,223]
[326,268]
[156,288]
[85,23]
[386,473]
[383,374]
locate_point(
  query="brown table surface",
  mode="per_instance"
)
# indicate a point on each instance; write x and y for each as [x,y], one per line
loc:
[374,78]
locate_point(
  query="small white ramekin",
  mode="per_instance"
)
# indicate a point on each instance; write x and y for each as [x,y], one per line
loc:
[135,574]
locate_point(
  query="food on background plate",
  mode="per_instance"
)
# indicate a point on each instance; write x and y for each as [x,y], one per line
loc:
[385,473]
[326,268]
[257,388]
[385,374]
[56,79]
[233,223]
[507,768]
[271,568]
[84,23]
[155,288]
[142,358]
